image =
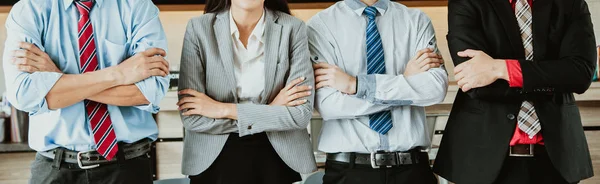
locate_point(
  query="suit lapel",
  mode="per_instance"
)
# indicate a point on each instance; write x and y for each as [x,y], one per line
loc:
[541,17]
[272,41]
[509,22]
[224,42]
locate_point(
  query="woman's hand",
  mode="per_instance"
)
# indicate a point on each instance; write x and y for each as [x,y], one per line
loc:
[289,95]
[200,104]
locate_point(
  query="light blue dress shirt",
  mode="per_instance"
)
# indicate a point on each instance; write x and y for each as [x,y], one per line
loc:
[122,28]
[337,35]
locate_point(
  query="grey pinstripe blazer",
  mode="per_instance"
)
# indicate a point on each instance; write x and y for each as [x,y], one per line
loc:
[207,65]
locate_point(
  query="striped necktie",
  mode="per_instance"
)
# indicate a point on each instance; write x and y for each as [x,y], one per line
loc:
[97,113]
[528,120]
[381,122]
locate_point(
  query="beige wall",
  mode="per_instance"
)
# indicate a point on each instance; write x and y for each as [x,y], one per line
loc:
[594,6]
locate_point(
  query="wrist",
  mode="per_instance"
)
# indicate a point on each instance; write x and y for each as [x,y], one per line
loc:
[352,85]
[112,75]
[501,69]
[229,110]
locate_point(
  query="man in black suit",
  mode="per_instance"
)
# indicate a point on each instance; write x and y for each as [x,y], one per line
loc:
[518,64]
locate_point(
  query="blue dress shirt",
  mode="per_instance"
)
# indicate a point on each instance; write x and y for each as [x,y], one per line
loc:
[122,28]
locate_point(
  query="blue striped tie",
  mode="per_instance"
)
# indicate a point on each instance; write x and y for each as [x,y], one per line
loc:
[381,122]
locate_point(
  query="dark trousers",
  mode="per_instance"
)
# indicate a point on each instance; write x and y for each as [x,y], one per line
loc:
[529,170]
[344,173]
[136,170]
[247,160]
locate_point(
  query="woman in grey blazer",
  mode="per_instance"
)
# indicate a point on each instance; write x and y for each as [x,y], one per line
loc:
[243,124]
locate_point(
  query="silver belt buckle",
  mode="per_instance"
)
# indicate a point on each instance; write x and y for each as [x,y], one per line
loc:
[81,164]
[374,161]
[531,151]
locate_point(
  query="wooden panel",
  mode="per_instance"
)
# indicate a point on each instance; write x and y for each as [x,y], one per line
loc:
[169,124]
[168,159]
[15,167]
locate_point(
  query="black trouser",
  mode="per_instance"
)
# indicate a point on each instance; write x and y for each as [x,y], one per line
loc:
[247,160]
[136,170]
[529,170]
[345,173]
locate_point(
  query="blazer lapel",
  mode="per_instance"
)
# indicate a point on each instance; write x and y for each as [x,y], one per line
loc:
[541,22]
[272,42]
[510,24]
[224,42]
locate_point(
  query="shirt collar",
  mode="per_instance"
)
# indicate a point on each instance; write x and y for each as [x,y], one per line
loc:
[358,6]
[68,3]
[258,31]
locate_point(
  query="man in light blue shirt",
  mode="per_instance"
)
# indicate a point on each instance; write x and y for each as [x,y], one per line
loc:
[50,53]
[377,69]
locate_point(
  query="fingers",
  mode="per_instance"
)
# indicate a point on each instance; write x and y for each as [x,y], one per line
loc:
[469,53]
[459,76]
[187,106]
[157,72]
[421,52]
[296,96]
[322,65]
[190,92]
[294,83]
[159,66]
[322,78]
[429,61]
[297,102]
[459,68]
[154,51]
[27,54]
[186,100]
[27,68]
[323,71]
[31,47]
[322,84]
[298,89]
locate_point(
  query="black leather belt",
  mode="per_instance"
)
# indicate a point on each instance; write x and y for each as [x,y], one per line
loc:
[525,150]
[92,159]
[381,159]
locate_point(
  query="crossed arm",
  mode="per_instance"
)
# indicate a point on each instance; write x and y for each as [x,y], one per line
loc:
[35,84]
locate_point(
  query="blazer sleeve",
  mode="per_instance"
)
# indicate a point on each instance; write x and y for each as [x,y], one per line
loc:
[573,72]
[465,32]
[192,76]
[257,118]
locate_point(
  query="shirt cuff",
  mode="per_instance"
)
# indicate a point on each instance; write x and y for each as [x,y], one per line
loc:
[366,86]
[515,74]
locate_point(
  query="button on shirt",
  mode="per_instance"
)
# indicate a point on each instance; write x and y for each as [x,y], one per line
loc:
[122,28]
[249,62]
[337,35]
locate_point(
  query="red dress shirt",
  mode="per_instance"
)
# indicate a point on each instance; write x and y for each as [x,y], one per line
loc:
[516,80]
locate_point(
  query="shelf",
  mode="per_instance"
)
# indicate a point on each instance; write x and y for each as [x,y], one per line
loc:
[15,148]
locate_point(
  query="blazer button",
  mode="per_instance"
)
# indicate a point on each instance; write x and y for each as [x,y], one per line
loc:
[510,116]
[249,127]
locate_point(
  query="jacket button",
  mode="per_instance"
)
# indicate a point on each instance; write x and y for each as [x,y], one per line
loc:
[510,116]
[249,127]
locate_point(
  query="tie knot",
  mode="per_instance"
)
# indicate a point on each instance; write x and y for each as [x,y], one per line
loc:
[84,7]
[371,12]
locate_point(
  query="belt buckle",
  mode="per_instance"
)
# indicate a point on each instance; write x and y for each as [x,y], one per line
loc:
[81,164]
[374,161]
[531,152]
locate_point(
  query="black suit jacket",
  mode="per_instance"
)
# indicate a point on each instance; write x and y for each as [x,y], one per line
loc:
[482,121]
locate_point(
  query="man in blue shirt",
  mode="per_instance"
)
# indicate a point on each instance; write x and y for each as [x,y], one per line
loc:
[90,73]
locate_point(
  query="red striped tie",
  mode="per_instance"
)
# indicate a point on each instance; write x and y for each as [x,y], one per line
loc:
[104,134]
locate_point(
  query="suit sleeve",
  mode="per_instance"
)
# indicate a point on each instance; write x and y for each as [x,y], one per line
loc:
[465,32]
[573,72]
[192,76]
[257,118]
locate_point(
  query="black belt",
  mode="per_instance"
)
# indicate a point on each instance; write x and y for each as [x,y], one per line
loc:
[381,159]
[92,159]
[526,150]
